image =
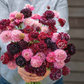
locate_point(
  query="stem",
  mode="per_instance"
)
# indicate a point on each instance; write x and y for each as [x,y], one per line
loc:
[57,24]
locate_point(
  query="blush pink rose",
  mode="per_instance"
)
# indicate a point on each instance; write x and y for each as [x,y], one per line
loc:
[59,64]
[36,61]
[12,65]
[56,14]
[41,55]
[60,55]
[29,21]
[27,54]
[29,6]
[35,16]
[54,37]
[6,36]
[51,57]
[15,35]
[26,38]
[45,29]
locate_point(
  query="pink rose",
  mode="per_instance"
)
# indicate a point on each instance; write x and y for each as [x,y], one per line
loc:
[27,54]
[26,38]
[45,29]
[36,61]
[59,64]
[51,57]
[29,6]
[56,14]
[60,55]
[35,16]
[54,37]
[12,65]
[6,36]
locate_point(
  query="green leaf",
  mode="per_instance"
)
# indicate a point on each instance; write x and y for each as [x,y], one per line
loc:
[47,68]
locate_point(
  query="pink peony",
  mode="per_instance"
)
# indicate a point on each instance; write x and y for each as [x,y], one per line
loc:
[56,14]
[36,61]
[29,6]
[16,35]
[41,55]
[6,36]
[59,64]
[12,65]
[27,54]
[51,57]
[35,16]
[54,37]
[45,29]
[60,55]
[12,15]
[29,21]
[26,38]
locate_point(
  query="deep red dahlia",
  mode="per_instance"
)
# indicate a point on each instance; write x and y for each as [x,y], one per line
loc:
[42,46]
[4,58]
[42,36]
[33,35]
[61,44]
[48,14]
[16,55]
[65,71]
[43,20]
[62,22]
[34,47]
[50,34]
[28,29]
[51,22]
[53,29]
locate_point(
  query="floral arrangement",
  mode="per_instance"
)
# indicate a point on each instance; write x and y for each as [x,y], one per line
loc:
[34,43]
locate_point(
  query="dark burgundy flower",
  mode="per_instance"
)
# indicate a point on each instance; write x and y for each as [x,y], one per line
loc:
[71,49]
[65,71]
[26,12]
[55,74]
[48,14]
[62,22]
[13,48]
[28,29]
[68,58]
[20,61]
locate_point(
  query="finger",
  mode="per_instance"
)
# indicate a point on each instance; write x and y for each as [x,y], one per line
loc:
[37,80]
[26,80]
[22,70]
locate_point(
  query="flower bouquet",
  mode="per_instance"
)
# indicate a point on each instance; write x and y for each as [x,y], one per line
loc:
[34,43]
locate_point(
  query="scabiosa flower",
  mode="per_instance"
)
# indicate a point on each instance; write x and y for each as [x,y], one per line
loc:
[27,54]
[29,6]
[51,57]
[41,55]
[71,48]
[20,61]
[23,44]
[54,37]
[36,61]
[26,12]
[62,21]
[48,42]
[48,14]
[6,36]
[61,44]
[59,64]
[45,29]
[65,71]
[68,58]
[56,14]
[35,16]
[15,35]
[12,65]
[29,21]
[55,74]
[60,55]
[53,46]
[13,48]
